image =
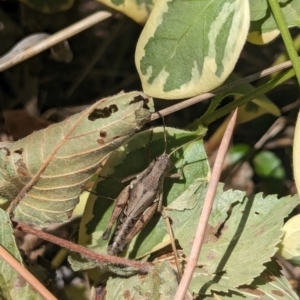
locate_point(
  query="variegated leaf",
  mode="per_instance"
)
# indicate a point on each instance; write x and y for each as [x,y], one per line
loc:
[190,47]
[138,10]
[289,247]
[263,27]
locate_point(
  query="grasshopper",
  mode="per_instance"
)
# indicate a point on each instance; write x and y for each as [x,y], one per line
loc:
[138,202]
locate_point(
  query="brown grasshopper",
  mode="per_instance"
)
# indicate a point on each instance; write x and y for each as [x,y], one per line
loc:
[137,203]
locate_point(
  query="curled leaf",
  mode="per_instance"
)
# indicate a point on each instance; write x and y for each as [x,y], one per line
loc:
[43,174]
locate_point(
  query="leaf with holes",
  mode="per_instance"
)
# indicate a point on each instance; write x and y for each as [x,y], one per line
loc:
[44,173]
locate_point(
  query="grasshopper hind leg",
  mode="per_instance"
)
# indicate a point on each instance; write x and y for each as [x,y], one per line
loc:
[106,234]
[139,225]
[118,208]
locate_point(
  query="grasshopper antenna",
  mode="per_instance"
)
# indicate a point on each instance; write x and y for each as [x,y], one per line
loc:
[148,145]
[167,219]
[193,140]
[165,133]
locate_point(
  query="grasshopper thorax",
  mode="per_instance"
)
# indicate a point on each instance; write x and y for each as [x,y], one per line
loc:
[163,162]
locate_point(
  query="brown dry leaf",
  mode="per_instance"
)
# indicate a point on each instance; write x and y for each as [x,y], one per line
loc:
[19,123]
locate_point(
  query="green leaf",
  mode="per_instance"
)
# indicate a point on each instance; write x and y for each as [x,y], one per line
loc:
[188,199]
[49,6]
[289,247]
[254,109]
[236,153]
[77,291]
[131,159]
[138,10]
[12,285]
[119,288]
[229,248]
[267,164]
[48,169]
[263,27]
[190,47]
[257,107]
[270,285]
[235,222]
[161,283]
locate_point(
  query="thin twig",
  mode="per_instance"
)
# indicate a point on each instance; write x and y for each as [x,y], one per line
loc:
[144,267]
[169,228]
[22,271]
[207,206]
[189,295]
[55,38]
[219,90]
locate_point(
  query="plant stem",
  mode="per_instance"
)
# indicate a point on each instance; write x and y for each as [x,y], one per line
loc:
[53,39]
[286,36]
[206,210]
[100,259]
[221,89]
[247,98]
[34,282]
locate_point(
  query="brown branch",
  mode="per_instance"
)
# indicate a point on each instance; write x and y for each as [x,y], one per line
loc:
[219,90]
[206,210]
[143,267]
[54,39]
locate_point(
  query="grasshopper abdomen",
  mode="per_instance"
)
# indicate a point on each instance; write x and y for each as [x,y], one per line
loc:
[119,239]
